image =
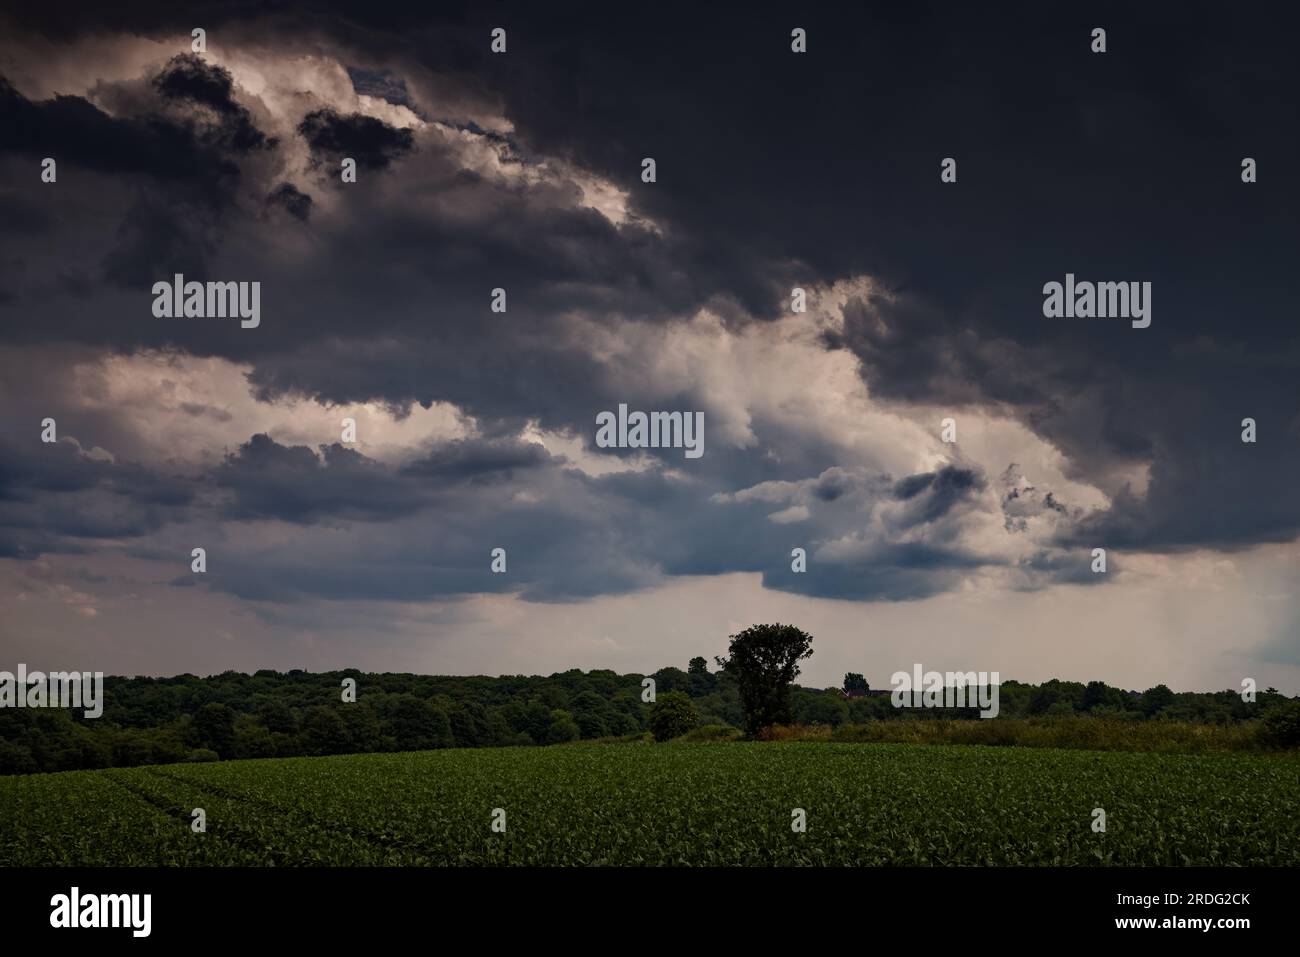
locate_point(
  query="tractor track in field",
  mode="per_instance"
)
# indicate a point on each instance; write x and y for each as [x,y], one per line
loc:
[429,854]
[227,835]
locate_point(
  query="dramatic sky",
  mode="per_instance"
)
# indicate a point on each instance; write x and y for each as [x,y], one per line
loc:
[476,430]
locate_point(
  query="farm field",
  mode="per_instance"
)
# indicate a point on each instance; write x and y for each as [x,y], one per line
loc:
[676,804]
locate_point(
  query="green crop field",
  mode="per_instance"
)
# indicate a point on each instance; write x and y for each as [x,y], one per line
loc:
[702,804]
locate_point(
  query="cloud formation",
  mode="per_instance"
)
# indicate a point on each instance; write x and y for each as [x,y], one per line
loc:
[522,173]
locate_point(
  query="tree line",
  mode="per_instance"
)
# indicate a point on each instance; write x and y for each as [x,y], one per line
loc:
[296,713]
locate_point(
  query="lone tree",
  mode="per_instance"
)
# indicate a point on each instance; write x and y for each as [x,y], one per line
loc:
[855,682]
[764,660]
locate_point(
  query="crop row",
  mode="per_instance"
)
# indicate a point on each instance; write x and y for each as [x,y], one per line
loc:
[677,804]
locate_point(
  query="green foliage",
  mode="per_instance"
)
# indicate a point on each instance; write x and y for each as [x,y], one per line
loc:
[671,679]
[855,682]
[1155,700]
[276,716]
[272,714]
[687,804]
[415,724]
[1281,726]
[15,759]
[1057,697]
[213,728]
[593,714]
[562,728]
[764,659]
[323,731]
[825,707]
[671,715]
[1099,697]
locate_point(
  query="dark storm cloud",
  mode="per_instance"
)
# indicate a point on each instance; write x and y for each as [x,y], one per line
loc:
[420,282]
[422,285]
[424,530]
[75,132]
[371,142]
[296,484]
[293,484]
[774,169]
[180,163]
[53,495]
[1108,400]
[292,200]
[156,238]
[1034,120]
[479,460]
[588,537]
[1041,154]
[948,484]
[1071,567]
[902,572]
[187,78]
[63,467]
[427,527]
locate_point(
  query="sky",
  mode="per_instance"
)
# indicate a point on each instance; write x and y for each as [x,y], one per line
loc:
[823,429]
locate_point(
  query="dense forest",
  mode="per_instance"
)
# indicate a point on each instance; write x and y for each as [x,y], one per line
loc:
[273,714]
